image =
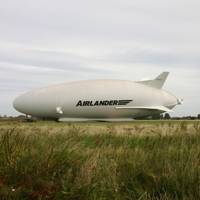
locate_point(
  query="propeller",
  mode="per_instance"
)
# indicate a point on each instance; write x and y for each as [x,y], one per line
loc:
[180,101]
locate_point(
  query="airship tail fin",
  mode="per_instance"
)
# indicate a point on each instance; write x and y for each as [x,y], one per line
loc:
[158,82]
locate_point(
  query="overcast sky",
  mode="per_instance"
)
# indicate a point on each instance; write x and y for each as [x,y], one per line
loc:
[44,42]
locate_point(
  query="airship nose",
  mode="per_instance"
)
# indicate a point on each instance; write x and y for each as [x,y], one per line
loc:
[20,103]
[17,103]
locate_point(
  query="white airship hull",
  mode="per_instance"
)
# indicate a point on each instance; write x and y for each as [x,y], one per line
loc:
[96,99]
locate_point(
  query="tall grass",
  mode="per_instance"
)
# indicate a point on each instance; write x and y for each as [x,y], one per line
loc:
[66,162]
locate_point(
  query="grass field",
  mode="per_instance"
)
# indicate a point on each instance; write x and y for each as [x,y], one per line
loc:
[143,160]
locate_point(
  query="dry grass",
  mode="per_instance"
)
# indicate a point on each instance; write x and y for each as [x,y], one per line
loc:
[139,160]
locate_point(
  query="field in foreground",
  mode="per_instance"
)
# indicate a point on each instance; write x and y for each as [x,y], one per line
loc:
[100,161]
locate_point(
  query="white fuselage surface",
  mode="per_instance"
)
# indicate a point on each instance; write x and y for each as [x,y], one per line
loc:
[96,99]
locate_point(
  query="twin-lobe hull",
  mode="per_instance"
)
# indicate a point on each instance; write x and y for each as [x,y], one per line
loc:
[96,99]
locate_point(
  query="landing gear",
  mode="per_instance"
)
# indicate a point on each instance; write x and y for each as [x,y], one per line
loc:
[29,118]
[57,120]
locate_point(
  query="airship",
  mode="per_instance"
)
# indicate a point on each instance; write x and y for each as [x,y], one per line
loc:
[98,100]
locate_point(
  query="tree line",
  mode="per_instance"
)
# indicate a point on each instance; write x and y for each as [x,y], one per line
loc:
[165,116]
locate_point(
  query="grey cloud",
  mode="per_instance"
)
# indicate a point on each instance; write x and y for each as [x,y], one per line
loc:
[47,59]
[10,85]
[157,57]
[105,20]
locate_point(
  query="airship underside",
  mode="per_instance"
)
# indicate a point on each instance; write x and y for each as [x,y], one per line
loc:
[98,99]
